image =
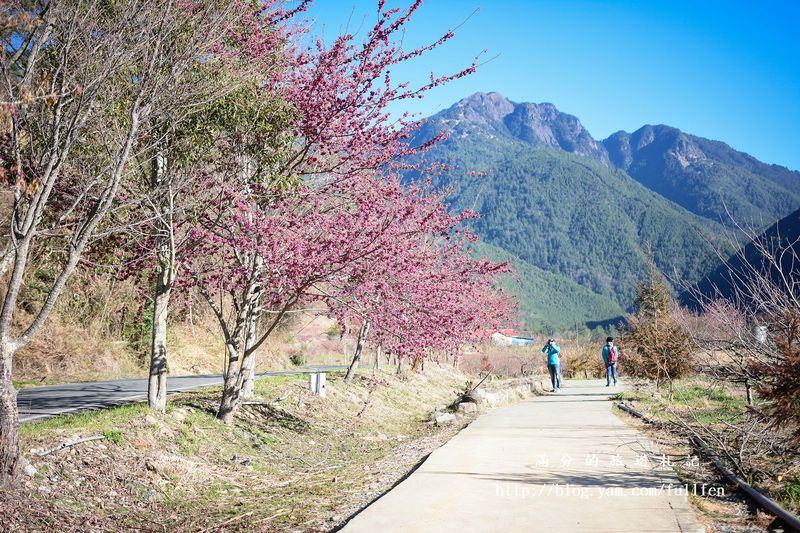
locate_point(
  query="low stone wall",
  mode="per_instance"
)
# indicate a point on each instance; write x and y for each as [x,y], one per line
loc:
[506,392]
[495,394]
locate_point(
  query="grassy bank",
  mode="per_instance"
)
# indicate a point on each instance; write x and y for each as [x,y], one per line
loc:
[297,462]
[719,413]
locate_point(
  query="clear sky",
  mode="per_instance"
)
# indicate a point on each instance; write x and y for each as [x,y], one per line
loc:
[726,70]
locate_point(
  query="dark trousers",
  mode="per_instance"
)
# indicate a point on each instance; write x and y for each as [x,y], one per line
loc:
[555,376]
[611,372]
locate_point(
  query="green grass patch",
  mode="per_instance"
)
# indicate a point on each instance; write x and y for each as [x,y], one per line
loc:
[791,493]
[98,421]
[710,404]
[114,435]
[692,399]
[270,386]
[693,393]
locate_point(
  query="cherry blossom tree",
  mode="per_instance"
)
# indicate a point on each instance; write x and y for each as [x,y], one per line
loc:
[342,134]
[424,293]
[307,247]
[235,119]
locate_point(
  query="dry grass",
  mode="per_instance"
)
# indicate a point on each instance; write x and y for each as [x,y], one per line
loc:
[305,464]
[100,330]
[714,407]
[580,360]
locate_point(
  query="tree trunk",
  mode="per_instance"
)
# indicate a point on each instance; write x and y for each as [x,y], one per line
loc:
[362,334]
[157,382]
[165,274]
[9,422]
[232,387]
[378,356]
[249,361]
[240,351]
[249,376]
[251,333]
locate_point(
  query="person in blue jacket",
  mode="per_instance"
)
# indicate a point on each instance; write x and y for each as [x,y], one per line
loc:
[552,351]
[610,357]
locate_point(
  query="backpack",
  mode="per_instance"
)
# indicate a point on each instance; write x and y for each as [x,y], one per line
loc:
[612,354]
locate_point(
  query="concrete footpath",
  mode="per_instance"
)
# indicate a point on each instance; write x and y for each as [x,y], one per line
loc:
[562,462]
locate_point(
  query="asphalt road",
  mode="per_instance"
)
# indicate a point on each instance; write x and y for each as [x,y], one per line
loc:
[52,400]
[563,462]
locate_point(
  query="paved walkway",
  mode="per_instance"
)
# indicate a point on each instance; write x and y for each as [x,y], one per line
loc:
[562,462]
[52,400]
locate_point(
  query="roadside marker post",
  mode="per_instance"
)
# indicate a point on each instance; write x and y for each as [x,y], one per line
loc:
[316,383]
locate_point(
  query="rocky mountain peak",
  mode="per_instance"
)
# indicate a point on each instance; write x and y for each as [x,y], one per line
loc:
[483,109]
[652,141]
[537,124]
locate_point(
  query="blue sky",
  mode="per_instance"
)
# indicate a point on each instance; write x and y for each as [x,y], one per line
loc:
[725,70]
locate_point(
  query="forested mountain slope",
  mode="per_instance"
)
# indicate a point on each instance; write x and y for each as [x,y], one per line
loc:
[708,178]
[575,217]
[731,279]
[550,302]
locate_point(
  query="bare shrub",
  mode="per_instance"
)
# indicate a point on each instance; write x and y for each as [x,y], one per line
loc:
[781,375]
[749,322]
[582,360]
[503,360]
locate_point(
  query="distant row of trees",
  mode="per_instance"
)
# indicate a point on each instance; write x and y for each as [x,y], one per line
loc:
[215,145]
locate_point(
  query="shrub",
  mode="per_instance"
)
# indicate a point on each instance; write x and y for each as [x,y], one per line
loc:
[582,361]
[781,373]
[113,435]
[334,331]
[298,355]
[655,346]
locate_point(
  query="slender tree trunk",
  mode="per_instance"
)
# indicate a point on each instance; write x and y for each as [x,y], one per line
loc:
[251,333]
[378,356]
[232,386]
[249,361]
[157,382]
[362,334]
[9,421]
[240,353]
[165,274]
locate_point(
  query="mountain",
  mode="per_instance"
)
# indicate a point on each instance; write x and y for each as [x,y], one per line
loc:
[709,178]
[492,115]
[580,211]
[732,277]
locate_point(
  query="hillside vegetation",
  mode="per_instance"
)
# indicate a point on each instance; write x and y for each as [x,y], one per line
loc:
[572,216]
[706,177]
[770,253]
[550,302]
